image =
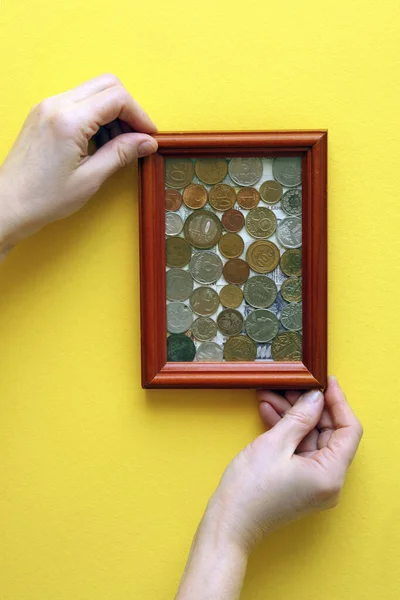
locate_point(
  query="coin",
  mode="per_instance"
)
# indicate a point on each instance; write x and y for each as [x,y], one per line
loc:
[222,196]
[240,347]
[180,348]
[202,229]
[271,191]
[261,325]
[204,328]
[292,316]
[211,170]
[289,232]
[195,196]
[204,301]
[262,256]
[248,197]
[233,220]
[291,202]
[236,271]
[173,223]
[178,172]
[178,252]
[209,352]
[291,289]
[260,291]
[231,245]
[245,171]
[205,267]
[261,222]
[179,284]
[287,346]
[173,199]
[230,322]
[231,296]
[179,317]
[291,262]
[287,170]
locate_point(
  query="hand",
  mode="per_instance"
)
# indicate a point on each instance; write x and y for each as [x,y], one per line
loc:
[297,467]
[49,174]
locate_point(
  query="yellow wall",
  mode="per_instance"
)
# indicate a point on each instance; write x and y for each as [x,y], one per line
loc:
[101,483]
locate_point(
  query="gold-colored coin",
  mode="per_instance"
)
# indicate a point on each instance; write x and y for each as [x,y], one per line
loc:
[236,271]
[291,262]
[231,245]
[211,170]
[291,289]
[240,347]
[271,191]
[178,252]
[231,296]
[262,256]
[202,229]
[287,346]
[261,222]
[222,196]
[248,197]
[195,196]
[204,301]
[178,172]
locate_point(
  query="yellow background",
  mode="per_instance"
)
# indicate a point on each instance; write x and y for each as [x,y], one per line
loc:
[101,483]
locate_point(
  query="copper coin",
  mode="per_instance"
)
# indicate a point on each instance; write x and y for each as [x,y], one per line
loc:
[262,256]
[248,197]
[231,245]
[232,220]
[211,170]
[195,196]
[173,199]
[231,296]
[236,271]
[178,172]
[222,196]
[178,252]
[271,191]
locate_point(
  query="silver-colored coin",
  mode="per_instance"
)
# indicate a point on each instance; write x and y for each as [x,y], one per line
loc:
[292,316]
[179,284]
[289,232]
[204,301]
[260,291]
[173,223]
[287,170]
[206,267]
[291,202]
[245,171]
[261,325]
[209,352]
[204,329]
[179,317]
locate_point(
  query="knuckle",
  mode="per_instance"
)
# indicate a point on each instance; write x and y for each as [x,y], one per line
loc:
[43,108]
[124,154]
[300,417]
[359,429]
[330,488]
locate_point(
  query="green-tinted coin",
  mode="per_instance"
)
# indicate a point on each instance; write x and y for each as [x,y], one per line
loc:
[180,348]
[291,289]
[291,262]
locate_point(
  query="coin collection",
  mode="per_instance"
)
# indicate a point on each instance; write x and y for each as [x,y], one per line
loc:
[233,259]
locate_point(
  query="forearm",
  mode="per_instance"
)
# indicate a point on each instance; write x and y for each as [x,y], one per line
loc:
[216,566]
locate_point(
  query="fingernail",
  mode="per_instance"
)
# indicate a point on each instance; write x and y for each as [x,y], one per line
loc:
[313,396]
[146,148]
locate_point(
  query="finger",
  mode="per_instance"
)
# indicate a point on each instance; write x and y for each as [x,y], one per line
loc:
[323,438]
[345,439]
[268,415]
[309,443]
[299,420]
[115,102]
[278,402]
[117,153]
[325,422]
[93,86]
[292,396]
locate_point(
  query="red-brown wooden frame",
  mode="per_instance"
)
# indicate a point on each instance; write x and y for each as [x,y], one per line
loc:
[312,372]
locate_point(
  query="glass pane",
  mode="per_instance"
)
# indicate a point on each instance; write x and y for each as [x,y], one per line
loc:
[234,275]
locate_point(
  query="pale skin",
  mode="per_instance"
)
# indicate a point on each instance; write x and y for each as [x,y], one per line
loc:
[299,465]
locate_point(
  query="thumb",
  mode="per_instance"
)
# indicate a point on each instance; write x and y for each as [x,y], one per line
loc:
[117,153]
[299,420]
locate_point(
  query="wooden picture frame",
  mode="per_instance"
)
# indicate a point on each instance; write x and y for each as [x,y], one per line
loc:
[312,371]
